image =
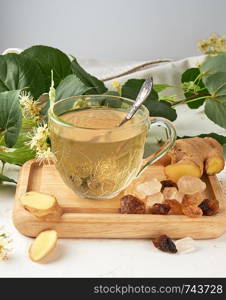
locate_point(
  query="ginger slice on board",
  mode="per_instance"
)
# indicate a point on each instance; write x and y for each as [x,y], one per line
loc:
[41,205]
[43,245]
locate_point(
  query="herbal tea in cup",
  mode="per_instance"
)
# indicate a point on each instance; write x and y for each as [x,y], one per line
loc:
[95,157]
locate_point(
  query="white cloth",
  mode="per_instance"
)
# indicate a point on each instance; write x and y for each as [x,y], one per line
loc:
[162,72]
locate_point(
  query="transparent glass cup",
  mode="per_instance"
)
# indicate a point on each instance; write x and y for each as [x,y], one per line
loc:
[101,162]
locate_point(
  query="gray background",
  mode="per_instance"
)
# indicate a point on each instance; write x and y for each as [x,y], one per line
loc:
[112,29]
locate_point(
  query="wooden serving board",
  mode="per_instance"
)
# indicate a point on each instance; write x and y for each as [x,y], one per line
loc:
[89,218]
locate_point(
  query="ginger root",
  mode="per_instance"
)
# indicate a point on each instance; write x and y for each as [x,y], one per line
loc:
[44,243]
[41,205]
[193,156]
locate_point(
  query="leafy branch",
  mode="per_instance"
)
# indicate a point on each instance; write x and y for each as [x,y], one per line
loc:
[25,80]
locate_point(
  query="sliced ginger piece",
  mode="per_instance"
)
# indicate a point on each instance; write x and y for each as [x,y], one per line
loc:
[214,162]
[44,243]
[177,170]
[41,205]
[214,165]
[190,185]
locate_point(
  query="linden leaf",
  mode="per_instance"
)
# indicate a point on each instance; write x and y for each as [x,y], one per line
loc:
[10,116]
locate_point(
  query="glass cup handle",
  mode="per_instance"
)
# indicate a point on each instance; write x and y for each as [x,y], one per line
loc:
[171,138]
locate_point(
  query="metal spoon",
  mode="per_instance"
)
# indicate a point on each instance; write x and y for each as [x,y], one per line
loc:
[141,97]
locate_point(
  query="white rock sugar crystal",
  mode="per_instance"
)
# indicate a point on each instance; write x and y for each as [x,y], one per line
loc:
[172,193]
[155,198]
[149,187]
[185,245]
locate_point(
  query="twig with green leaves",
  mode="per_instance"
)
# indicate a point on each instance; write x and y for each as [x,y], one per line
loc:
[24,99]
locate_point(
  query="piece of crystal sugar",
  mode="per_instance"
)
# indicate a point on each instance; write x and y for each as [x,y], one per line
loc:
[185,245]
[149,188]
[171,193]
[190,185]
[155,198]
[154,172]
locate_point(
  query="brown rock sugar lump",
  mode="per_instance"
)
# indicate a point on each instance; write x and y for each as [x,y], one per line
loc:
[167,183]
[192,211]
[160,209]
[209,207]
[131,205]
[175,207]
[193,200]
[165,244]
[190,205]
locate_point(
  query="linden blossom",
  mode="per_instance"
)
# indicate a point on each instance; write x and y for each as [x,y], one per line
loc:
[5,248]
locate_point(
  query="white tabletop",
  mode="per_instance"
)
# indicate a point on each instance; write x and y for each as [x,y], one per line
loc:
[116,257]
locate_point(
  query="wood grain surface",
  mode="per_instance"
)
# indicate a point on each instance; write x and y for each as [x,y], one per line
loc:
[100,218]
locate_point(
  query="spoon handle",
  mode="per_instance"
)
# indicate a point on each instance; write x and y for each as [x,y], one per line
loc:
[141,97]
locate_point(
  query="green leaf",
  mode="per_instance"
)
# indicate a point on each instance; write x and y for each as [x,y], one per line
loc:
[161,87]
[71,86]
[213,64]
[48,59]
[18,156]
[19,72]
[156,108]
[27,124]
[224,147]
[220,138]
[215,109]
[196,104]
[10,116]
[5,178]
[131,88]
[22,139]
[161,109]
[189,76]
[87,79]
[112,93]
[216,84]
